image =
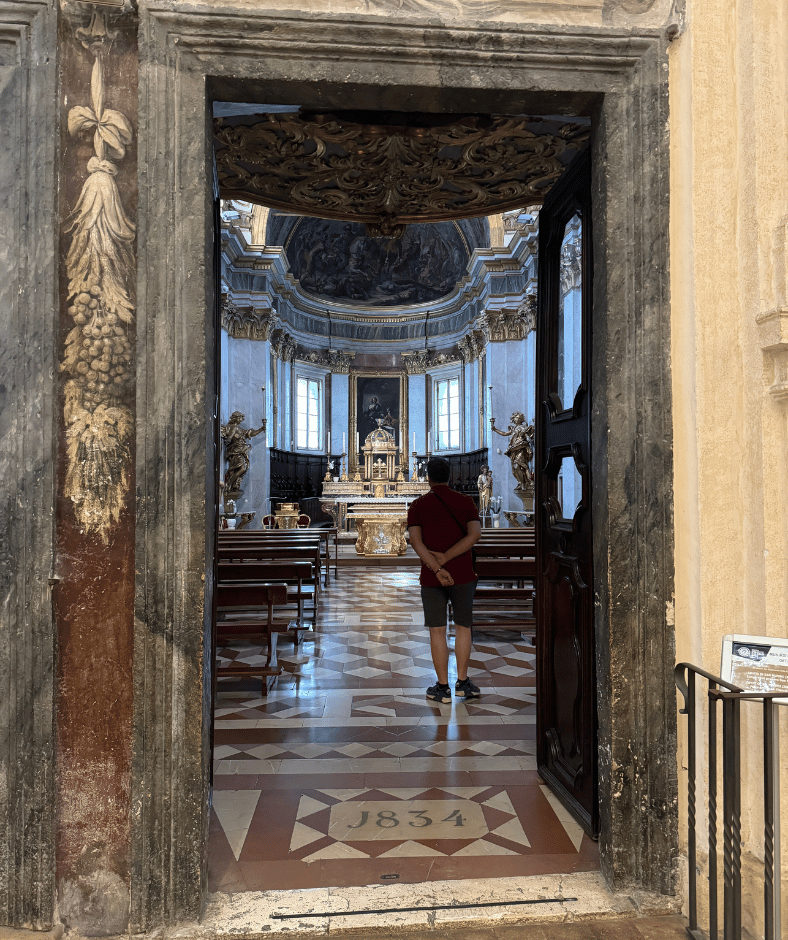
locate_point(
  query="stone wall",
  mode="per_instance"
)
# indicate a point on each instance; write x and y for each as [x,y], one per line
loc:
[29,117]
[132,852]
[729,152]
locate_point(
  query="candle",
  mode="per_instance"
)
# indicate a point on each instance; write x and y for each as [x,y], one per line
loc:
[328,445]
[358,441]
[414,442]
[343,442]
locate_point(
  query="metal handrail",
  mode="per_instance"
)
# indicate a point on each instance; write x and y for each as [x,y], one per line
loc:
[731,697]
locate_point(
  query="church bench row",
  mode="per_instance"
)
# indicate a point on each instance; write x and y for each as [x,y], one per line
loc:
[301,578]
[250,615]
[248,567]
[504,608]
[273,551]
[229,537]
[277,539]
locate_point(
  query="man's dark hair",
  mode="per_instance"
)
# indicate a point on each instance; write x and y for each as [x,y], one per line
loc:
[438,470]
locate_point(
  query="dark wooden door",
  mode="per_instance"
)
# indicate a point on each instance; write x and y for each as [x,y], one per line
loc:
[566,688]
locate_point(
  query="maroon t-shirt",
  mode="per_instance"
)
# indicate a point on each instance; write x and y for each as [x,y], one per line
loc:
[439,531]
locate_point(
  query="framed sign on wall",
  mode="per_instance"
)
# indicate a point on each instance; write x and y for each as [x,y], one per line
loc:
[756,663]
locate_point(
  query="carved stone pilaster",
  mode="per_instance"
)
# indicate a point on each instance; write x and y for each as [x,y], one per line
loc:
[419,361]
[571,269]
[774,343]
[257,323]
[336,360]
[526,315]
[415,362]
[471,346]
[283,346]
[500,326]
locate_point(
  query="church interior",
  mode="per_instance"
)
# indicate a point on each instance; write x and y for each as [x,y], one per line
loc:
[262,261]
[351,353]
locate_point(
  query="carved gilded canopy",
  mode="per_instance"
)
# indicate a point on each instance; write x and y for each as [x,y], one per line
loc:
[389,171]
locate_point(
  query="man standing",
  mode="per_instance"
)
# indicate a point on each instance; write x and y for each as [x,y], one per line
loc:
[443,526]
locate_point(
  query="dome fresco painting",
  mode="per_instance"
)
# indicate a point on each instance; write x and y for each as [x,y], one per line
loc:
[340,262]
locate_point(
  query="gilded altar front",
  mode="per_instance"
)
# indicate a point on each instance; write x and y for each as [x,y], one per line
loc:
[377,495]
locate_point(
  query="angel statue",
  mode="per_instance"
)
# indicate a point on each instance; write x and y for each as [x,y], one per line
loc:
[520,450]
[236,450]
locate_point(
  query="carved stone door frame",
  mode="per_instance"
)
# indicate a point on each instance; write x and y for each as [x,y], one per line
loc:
[190,55]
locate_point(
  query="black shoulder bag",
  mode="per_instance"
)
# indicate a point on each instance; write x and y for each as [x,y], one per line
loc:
[460,527]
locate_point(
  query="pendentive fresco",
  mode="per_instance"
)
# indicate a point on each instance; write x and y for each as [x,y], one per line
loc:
[100,267]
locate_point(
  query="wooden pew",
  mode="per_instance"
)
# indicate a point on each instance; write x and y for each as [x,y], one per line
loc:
[504,550]
[505,608]
[234,621]
[272,551]
[229,536]
[299,576]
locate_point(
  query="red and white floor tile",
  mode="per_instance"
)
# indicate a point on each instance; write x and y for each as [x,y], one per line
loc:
[345,774]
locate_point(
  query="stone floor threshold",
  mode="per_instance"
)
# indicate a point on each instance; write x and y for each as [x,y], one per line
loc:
[620,916]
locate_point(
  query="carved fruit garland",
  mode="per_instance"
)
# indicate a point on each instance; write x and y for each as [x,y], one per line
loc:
[98,354]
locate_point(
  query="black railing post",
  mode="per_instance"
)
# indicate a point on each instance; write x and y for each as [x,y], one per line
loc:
[713,900]
[771,819]
[731,816]
[692,849]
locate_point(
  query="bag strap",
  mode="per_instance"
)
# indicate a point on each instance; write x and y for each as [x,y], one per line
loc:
[448,509]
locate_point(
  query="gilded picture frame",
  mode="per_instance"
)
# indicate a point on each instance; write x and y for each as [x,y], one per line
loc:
[390,391]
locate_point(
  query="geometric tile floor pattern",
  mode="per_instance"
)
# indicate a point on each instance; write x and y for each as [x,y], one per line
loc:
[346,775]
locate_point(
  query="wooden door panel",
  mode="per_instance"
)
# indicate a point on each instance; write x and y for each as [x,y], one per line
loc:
[566,706]
[567,605]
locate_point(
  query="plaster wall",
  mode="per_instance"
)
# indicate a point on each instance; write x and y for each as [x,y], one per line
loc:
[244,373]
[339,411]
[417,414]
[729,200]
[511,374]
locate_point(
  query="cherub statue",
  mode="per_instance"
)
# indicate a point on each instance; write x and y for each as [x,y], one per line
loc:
[236,450]
[521,448]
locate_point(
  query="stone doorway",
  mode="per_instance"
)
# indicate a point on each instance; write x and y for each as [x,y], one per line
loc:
[193,58]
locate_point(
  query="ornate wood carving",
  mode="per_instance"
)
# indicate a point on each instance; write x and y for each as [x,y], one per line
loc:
[420,168]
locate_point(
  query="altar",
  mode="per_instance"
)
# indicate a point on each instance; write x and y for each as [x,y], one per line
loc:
[375,497]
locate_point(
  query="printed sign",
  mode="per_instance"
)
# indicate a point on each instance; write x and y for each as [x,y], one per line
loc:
[756,663]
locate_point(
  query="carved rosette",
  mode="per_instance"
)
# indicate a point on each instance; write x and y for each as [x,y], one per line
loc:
[100,266]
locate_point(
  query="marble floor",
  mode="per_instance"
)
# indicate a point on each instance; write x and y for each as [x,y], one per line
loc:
[345,774]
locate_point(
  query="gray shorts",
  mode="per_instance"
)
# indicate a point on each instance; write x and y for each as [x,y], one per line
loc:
[435,599]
